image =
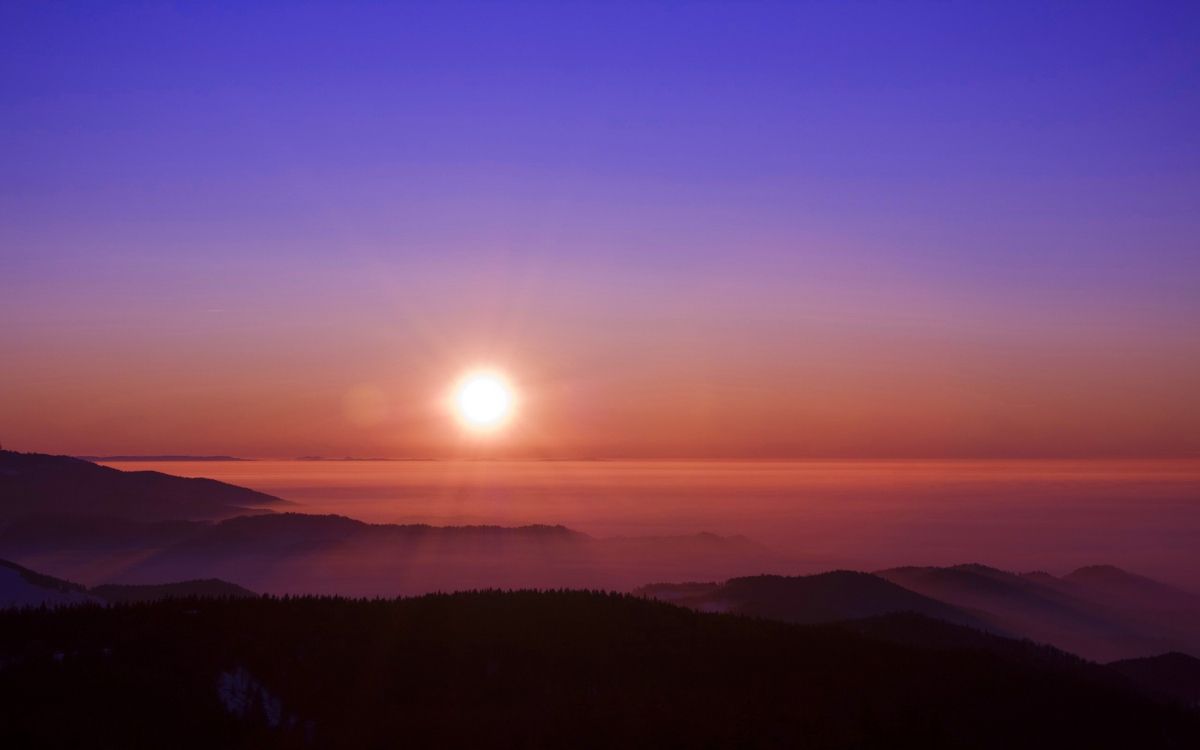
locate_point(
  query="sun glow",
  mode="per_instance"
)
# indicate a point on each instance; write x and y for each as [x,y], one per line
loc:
[484,400]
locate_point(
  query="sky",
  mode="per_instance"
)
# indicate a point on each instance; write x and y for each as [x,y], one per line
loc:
[680,229]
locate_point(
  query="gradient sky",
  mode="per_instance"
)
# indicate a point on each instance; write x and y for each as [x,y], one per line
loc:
[685,229]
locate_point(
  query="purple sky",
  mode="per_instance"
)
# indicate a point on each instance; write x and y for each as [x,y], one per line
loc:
[683,228]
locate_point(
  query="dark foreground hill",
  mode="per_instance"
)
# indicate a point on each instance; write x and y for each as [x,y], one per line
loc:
[40,484]
[555,669]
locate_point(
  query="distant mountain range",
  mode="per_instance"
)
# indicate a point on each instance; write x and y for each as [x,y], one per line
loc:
[96,525]
[299,553]
[1099,612]
[22,587]
[126,459]
[34,483]
[826,597]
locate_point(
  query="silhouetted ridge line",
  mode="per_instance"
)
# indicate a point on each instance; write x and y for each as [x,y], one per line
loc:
[24,587]
[825,597]
[34,483]
[1101,612]
[164,459]
[1172,675]
[42,580]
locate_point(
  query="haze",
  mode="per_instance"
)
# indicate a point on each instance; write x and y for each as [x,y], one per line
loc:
[812,516]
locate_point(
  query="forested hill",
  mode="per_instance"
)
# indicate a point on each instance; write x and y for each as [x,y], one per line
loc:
[528,669]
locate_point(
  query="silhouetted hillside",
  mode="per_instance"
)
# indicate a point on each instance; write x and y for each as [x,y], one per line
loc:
[1174,675]
[1102,613]
[35,483]
[826,597]
[50,583]
[22,587]
[1123,589]
[524,669]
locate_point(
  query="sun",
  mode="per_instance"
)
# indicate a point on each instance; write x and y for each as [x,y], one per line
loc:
[484,400]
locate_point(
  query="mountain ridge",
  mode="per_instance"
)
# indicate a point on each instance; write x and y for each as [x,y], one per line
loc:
[823,597]
[22,587]
[38,483]
[1137,617]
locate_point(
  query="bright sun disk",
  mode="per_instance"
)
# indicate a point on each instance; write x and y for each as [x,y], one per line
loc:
[483,400]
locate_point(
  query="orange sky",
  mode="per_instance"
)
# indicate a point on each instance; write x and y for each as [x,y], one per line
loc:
[794,229]
[684,364]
